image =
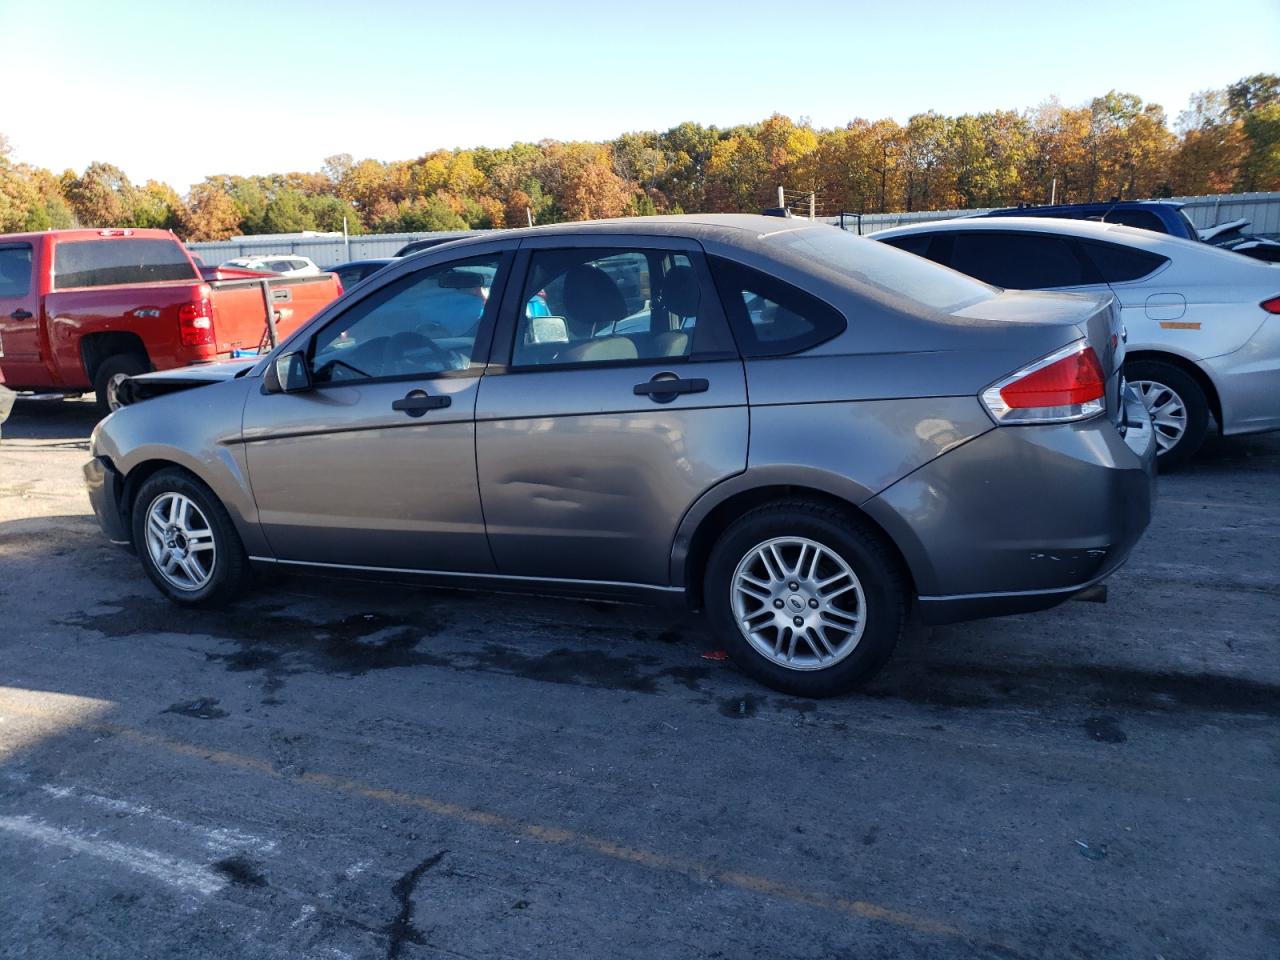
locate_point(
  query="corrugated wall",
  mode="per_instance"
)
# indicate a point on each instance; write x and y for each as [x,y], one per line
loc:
[1263,209]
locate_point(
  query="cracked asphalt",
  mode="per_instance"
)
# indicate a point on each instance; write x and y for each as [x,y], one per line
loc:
[350,770]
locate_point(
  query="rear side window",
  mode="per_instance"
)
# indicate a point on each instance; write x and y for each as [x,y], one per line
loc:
[1142,219]
[771,318]
[1016,261]
[15,270]
[1118,264]
[102,263]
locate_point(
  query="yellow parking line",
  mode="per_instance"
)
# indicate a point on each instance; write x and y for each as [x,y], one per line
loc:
[541,832]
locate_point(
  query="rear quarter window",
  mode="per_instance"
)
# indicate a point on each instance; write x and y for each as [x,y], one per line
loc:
[104,263]
[1119,264]
[771,318]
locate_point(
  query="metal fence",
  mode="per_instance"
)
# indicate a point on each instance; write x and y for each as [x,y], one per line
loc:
[1262,209]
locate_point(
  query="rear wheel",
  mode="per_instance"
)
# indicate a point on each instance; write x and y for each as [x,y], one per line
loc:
[186,540]
[1178,407]
[806,598]
[111,373]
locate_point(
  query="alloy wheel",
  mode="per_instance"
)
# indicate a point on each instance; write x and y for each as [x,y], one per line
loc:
[180,541]
[798,603]
[1167,409]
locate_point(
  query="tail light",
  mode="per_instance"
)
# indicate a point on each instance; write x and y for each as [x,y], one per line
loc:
[1066,385]
[1272,305]
[195,321]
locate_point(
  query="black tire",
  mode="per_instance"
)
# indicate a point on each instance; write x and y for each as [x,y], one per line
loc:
[127,364]
[1194,402]
[857,544]
[230,567]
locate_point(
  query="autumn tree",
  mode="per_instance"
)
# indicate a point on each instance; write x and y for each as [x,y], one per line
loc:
[210,214]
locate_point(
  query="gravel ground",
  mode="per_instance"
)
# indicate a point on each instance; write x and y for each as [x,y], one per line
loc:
[336,770]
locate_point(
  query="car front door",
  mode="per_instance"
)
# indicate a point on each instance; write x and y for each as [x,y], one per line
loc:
[374,465]
[21,358]
[622,399]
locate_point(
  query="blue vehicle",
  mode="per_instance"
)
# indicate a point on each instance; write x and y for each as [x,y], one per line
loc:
[1162,216]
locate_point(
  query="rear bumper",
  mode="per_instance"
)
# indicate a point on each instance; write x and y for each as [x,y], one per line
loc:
[1248,382]
[1020,518]
[105,485]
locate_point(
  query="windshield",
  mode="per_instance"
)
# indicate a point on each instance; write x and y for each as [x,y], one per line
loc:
[894,273]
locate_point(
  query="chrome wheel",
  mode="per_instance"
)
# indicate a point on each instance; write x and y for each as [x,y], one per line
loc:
[798,603]
[1167,409]
[113,390]
[180,541]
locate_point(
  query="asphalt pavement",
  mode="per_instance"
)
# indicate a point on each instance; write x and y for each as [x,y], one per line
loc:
[351,770]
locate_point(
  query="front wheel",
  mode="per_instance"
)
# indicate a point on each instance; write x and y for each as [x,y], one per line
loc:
[186,541]
[806,598]
[1178,407]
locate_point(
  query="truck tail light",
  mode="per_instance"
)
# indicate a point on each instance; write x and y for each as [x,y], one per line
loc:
[195,322]
[1272,305]
[1066,385]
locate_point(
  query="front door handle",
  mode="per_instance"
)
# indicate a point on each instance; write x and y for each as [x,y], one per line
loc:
[21,314]
[664,387]
[417,402]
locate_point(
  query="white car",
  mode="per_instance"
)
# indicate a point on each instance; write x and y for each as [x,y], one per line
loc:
[1202,323]
[285,265]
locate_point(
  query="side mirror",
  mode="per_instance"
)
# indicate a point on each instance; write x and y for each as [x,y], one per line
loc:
[288,373]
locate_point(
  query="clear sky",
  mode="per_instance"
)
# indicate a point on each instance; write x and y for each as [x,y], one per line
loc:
[179,90]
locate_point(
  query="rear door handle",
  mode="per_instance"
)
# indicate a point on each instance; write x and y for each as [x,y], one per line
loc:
[417,402]
[21,314]
[663,388]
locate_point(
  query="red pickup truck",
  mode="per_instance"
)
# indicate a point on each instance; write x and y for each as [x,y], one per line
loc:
[85,309]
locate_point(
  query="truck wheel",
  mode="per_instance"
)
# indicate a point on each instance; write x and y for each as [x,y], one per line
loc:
[1178,407]
[112,372]
[805,598]
[186,540]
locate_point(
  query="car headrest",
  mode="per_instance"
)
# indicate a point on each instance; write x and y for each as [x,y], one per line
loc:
[680,292]
[592,301]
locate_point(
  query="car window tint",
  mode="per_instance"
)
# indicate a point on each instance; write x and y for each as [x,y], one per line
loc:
[100,263]
[772,318]
[1142,219]
[1019,261]
[15,270]
[423,323]
[601,306]
[917,243]
[1118,264]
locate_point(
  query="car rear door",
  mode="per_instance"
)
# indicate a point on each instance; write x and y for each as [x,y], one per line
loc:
[620,400]
[375,466]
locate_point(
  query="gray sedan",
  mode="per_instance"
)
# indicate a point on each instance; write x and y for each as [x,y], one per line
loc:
[1204,335]
[809,435]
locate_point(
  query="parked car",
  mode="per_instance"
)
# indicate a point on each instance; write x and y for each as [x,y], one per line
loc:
[85,309]
[1160,216]
[812,436]
[417,246]
[1232,236]
[6,395]
[1203,335]
[284,265]
[352,273]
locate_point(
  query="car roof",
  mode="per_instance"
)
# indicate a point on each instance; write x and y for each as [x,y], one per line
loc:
[1100,205]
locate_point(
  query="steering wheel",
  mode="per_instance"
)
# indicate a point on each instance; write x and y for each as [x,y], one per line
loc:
[398,344]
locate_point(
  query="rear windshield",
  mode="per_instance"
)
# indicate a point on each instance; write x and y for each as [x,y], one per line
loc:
[890,271]
[102,263]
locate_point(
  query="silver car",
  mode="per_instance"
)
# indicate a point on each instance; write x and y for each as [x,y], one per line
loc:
[1204,335]
[809,435]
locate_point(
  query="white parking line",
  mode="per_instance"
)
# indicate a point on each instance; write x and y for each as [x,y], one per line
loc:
[173,871]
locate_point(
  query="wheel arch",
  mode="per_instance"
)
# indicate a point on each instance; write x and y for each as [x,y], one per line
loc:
[1190,368]
[95,348]
[712,514]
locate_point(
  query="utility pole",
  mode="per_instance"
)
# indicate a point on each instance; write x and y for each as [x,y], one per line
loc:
[346,238]
[782,196]
[813,202]
[528,212]
[1053,192]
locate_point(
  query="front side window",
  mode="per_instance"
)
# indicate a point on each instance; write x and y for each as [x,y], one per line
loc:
[102,263]
[424,323]
[599,306]
[772,318]
[15,270]
[1019,261]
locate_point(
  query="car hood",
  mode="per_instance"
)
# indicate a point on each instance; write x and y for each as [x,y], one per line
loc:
[147,385]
